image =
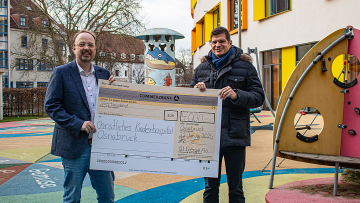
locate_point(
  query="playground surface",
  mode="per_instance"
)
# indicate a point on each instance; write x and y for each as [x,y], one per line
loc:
[28,173]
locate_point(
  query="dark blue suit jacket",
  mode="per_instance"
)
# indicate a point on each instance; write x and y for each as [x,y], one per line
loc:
[66,104]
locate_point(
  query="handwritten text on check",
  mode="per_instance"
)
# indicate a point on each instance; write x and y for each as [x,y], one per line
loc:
[152,129]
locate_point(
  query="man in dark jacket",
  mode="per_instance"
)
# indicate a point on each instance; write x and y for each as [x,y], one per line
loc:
[228,69]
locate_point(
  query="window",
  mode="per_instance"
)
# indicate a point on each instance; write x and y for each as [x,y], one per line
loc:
[24,84]
[3,33]
[5,78]
[3,59]
[44,23]
[3,11]
[62,48]
[24,64]
[22,21]
[216,18]
[42,84]
[3,42]
[132,56]
[141,57]
[23,41]
[233,11]
[43,66]
[113,55]
[3,20]
[121,71]
[123,56]
[272,76]
[102,54]
[3,28]
[276,6]
[3,3]
[301,50]
[203,32]
[44,43]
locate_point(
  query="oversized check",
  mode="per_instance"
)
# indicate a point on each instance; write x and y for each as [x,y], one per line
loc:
[156,129]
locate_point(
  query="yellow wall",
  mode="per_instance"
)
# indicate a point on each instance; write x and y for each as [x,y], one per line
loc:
[259,9]
[203,28]
[193,40]
[209,23]
[244,15]
[337,67]
[288,63]
[199,31]
[193,2]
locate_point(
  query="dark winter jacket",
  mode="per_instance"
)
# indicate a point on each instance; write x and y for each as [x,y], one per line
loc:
[241,76]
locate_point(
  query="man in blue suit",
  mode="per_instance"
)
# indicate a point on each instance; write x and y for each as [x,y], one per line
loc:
[70,101]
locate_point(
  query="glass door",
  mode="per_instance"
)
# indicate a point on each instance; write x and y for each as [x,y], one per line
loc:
[272,77]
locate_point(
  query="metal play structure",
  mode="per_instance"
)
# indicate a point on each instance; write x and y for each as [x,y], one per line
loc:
[312,84]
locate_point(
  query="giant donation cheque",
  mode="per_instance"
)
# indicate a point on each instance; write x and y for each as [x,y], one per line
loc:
[156,129]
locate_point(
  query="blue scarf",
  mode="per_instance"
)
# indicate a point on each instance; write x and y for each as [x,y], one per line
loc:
[220,62]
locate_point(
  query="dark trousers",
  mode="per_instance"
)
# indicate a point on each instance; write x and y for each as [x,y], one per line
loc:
[235,164]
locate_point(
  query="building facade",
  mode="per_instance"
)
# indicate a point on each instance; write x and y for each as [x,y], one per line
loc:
[281,30]
[33,53]
[4,39]
[122,55]
[32,56]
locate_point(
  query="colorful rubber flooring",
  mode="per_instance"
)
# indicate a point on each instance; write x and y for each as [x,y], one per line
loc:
[28,173]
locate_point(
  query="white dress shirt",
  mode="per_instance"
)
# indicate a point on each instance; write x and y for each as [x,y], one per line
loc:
[90,87]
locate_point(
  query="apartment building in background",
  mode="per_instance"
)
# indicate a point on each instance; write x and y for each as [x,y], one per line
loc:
[31,50]
[281,30]
[4,39]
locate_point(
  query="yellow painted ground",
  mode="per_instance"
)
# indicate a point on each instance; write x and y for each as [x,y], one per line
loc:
[26,154]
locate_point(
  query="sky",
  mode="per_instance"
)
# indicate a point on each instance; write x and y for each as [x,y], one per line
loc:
[172,14]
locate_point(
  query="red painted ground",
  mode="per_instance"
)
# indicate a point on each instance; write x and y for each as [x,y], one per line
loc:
[283,193]
[9,172]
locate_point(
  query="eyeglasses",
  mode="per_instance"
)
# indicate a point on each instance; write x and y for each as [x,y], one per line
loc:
[82,45]
[213,43]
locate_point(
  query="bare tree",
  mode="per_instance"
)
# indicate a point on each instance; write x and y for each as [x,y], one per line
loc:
[138,74]
[66,17]
[185,70]
[50,44]
[113,49]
